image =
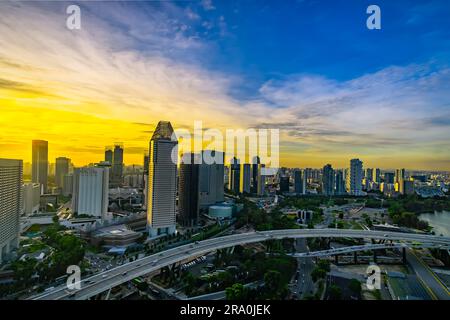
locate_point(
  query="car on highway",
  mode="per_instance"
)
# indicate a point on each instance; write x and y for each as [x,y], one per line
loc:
[124,273]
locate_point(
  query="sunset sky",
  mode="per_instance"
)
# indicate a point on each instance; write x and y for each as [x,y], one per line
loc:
[310,68]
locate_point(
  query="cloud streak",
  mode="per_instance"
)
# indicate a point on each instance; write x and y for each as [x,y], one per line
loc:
[135,66]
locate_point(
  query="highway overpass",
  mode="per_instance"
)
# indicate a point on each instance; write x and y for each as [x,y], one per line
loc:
[101,282]
[365,247]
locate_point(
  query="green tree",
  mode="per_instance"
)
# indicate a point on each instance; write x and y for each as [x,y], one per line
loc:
[355,286]
[236,292]
[335,293]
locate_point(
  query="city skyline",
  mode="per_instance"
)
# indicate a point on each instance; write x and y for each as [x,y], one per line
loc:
[381,97]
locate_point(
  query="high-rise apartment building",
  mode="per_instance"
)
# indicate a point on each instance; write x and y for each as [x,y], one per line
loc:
[377,176]
[62,168]
[11,180]
[31,198]
[234,175]
[355,177]
[245,178]
[389,177]
[67,188]
[299,182]
[90,191]
[284,184]
[340,183]
[109,155]
[39,171]
[328,180]
[162,181]
[211,175]
[188,190]
[117,167]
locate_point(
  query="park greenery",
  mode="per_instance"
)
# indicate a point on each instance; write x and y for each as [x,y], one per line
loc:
[262,220]
[267,276]
[61,250]
[321,269]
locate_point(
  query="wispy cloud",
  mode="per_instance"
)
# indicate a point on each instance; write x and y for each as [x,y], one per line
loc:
[132,67]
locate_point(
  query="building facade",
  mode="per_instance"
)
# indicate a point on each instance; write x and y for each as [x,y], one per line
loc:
[31,198]
[355,177]
[340,183]
[188,191]
[245,178]
[90,191]
[11,180]
[162,181]
[234,175]
[328,180]
[39,171]
[62,168]
[211,176]
[299,182]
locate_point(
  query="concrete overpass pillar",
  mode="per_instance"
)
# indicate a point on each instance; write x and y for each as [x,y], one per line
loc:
[375,256]
[355,257]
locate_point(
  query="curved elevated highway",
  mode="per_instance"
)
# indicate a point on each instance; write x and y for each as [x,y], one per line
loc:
[365,247]
[103,281]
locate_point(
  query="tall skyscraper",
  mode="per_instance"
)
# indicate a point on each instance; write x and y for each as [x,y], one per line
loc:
[328,180]
[400,174]
[389,177]
[67,184]
[400,178]
[340,183]
[146,163]
[354,179]
[211,178]
[299,182]
[284,184]
[188,190]
[62,168]
[117,166]
[255,168]
[245,178]
[369,174]
[40,163]
[234,175]
[11,179]
[90,191]
[145,178]
[377,176]
[261,180]
[162,181]
[109,155]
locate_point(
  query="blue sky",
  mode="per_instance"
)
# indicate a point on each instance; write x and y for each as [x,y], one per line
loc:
[262,40]
[310,68]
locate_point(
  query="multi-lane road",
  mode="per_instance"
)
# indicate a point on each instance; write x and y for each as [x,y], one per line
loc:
[101,282]
[435,287]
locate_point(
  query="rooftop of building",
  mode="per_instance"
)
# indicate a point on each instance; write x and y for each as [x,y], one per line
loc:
[163,131]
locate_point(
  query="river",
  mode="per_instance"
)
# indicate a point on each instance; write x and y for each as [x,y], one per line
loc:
[440,221]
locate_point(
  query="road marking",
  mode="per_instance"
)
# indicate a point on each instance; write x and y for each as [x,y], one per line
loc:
[432,273]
